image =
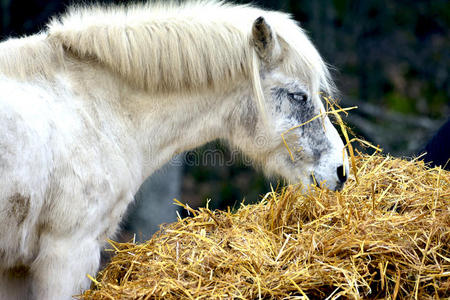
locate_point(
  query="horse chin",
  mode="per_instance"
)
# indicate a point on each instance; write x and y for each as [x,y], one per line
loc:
[293,177]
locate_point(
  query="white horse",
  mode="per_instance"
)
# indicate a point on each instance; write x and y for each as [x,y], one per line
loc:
[105,96]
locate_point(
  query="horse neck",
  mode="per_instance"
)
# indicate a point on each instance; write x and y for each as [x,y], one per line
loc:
[161,125]
[168,125]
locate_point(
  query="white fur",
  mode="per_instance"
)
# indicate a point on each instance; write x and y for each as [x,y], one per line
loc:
[106,96]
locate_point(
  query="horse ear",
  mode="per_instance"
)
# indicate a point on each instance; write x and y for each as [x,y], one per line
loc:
[265,41]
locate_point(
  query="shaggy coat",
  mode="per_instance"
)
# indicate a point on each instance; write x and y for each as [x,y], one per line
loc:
[106,95]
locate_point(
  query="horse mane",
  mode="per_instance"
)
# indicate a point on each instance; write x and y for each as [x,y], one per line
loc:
[183,47]
[28,57]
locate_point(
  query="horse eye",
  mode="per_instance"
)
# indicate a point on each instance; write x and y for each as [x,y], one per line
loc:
[298,97]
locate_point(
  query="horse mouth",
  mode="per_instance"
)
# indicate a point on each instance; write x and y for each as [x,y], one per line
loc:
[339,186]
[313,181]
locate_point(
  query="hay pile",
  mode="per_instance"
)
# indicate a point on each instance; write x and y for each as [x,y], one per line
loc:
[387,236]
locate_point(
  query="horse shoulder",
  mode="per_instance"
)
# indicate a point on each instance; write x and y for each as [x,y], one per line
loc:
[25,164]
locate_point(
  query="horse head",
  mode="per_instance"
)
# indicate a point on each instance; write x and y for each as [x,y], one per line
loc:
[289,138]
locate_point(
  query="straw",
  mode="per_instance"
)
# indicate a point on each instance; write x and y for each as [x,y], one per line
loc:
[387,236]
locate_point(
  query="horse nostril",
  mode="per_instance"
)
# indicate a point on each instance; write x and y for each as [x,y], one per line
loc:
[340,172]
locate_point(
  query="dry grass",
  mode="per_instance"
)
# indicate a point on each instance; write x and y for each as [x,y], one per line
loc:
[387,236]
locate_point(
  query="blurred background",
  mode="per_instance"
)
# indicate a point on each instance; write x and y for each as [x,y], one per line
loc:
[390,58]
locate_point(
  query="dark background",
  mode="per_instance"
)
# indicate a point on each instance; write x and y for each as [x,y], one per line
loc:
[391,58]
